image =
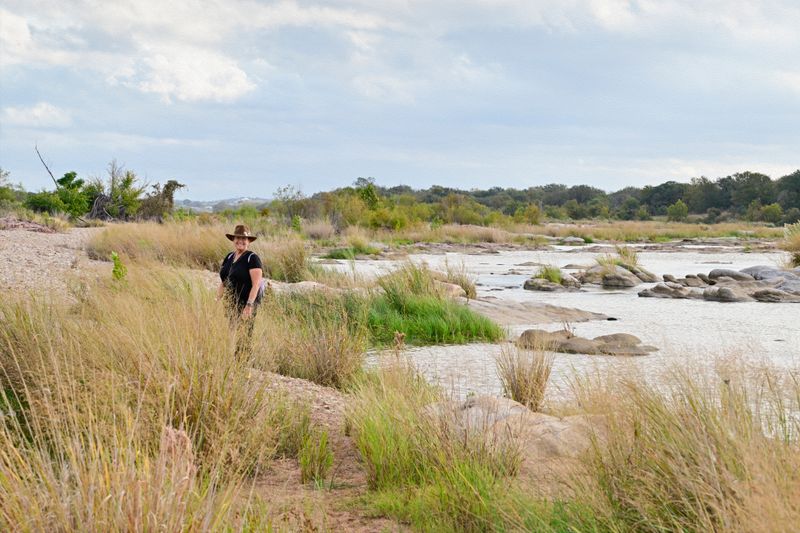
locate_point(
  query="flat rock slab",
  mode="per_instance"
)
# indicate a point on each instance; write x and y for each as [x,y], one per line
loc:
[509,313]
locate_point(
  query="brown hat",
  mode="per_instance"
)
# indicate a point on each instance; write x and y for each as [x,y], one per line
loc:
[241,231]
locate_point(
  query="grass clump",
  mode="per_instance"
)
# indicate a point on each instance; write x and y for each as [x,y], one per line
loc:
[317,336]
[524,374]
[420,468]
[411,302]
[458,275]
[550,273]
[315,457]
[791,243]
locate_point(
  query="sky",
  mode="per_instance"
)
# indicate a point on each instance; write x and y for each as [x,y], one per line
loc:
[240,97]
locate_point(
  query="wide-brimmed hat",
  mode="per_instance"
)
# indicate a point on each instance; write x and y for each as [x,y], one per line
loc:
[241,231]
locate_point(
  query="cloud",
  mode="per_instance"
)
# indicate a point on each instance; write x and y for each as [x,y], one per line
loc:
[41,115]
[191,74]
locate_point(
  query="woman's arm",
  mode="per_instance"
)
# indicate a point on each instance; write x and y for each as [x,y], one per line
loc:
[255,278]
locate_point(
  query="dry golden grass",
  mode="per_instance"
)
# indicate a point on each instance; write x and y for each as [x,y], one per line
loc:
[524,374]
[127,410]
[698,452]
[791,243]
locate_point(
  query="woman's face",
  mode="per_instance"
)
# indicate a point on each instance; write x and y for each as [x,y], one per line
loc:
[240,243]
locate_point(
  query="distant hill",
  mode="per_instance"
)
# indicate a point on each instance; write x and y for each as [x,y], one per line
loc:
[220,205]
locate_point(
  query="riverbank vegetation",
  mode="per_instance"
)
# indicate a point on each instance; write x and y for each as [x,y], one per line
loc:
[125,406]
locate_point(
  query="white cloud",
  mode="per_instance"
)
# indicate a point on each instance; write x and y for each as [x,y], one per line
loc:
[41,115]
[191,74]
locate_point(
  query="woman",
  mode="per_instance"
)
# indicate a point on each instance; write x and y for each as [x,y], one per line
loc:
[241,274]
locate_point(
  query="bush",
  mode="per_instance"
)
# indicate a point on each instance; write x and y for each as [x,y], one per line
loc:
[678,211]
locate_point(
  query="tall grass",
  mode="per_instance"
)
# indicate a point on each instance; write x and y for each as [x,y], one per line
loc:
[197,245]
[420,468]
[697,454]
[318,336]
[130,411]
[524,374]
[791,242]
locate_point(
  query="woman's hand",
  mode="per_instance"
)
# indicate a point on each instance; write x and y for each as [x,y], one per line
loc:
[247,312]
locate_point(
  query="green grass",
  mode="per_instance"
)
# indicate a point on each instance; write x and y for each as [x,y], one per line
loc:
[550,273]
[351,252]
[428,320]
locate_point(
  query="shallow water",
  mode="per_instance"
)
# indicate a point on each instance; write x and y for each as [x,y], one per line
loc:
[697,332]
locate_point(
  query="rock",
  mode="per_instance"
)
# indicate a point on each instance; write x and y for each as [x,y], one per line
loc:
[693,281]
[703,277]
[540,284]
[775,296]
[644,275]
[622,339]
[619,277]
[669,277]
[728,293]
[564,342]
[578,345]
[671,290]
[451,290]
[497,423]
[729,273]
[570,281]
[539,339]
[789,285]
[573,240]
[573,266]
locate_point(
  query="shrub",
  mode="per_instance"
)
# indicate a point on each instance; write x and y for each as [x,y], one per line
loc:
[678,211]
[524,374]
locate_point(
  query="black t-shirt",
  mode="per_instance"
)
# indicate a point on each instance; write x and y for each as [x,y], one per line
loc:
[236,276]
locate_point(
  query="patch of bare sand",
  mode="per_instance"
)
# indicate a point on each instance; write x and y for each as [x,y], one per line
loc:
[303,506]
[31,259]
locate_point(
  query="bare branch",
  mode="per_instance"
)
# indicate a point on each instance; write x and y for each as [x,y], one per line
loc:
[36,147]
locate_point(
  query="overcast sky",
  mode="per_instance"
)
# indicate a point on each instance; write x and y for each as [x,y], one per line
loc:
[239,97]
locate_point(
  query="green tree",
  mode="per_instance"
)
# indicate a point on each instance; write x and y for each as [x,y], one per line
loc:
[772,213]
[677,211]
[73,198]
[365,187]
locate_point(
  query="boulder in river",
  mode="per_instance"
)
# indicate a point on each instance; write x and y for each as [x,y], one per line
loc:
[564,341]
[759,283]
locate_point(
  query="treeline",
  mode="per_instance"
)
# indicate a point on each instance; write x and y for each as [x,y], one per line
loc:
[122,196]
[743,196]
[747,196]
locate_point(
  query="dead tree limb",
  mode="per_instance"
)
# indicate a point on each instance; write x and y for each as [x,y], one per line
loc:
[36,147]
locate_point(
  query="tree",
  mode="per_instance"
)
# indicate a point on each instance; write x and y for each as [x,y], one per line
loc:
[772,213]
[677,211]
[749,187]
[658,198]
[628,209]
[788,190]
[365,187]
